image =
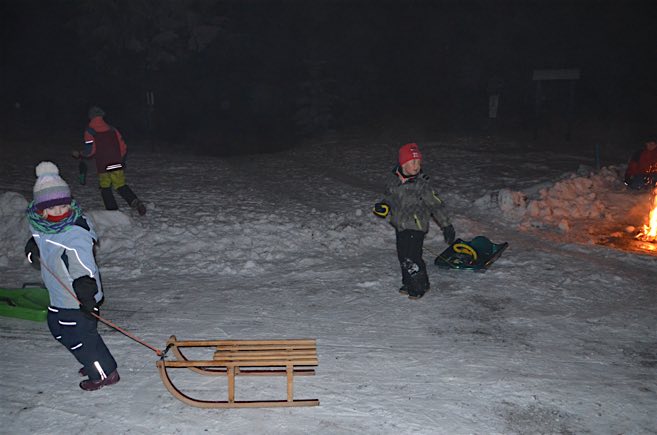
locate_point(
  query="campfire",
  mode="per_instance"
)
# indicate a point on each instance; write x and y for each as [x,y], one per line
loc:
[649,232]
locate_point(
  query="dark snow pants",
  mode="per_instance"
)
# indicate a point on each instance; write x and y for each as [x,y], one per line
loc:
[409,253]
[79,333]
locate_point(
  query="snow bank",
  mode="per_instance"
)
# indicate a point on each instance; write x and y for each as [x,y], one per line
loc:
[575,197]
[14,231]
[234,244]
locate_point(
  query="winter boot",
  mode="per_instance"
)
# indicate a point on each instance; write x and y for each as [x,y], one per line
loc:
[404,289]
[417,294]
[141,208]
[126,192]
[419,281]
[108,198]
[89,385]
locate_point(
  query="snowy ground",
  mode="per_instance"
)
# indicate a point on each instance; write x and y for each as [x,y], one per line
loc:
[558,337]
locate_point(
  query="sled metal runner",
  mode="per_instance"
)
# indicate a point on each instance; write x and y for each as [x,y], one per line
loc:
[232,358]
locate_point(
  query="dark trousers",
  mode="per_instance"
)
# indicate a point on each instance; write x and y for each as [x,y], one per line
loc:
[78,332]
[409,253]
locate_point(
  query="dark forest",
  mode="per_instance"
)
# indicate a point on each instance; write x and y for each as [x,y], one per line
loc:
[233,76]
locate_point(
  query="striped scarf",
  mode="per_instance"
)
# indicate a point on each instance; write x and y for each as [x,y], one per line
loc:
[41,225]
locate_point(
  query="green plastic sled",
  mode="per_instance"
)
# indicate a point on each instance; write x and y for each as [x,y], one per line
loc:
[29,303]
[477,254]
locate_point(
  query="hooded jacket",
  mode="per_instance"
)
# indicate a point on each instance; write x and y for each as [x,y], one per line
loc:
[413,202]
[69,255]
[106,144]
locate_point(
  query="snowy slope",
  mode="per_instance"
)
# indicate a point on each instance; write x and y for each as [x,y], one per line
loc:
[558,337]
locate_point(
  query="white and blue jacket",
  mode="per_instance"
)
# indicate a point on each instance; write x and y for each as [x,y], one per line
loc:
[68,254]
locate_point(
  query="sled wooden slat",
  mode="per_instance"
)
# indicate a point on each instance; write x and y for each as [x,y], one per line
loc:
[242,363]
[263,354]
[232,358]
[244,343]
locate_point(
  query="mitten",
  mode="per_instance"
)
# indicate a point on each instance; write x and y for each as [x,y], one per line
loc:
[76,154]
[90,313]
[381,209]
[32,253]
[85,290]
[449,234]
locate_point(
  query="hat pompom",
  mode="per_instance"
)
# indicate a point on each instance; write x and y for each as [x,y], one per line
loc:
[46,168]
[49,189]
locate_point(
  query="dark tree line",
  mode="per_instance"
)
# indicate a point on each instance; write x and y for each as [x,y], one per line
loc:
[229,75]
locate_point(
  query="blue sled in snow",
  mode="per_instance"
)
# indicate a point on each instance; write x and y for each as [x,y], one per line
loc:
[477,254]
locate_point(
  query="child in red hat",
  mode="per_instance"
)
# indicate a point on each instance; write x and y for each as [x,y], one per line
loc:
[409,202]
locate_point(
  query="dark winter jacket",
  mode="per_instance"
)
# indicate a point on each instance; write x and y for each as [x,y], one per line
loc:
[104,143]
[413,202]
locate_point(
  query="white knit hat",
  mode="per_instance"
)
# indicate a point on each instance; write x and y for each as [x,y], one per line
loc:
[50,189]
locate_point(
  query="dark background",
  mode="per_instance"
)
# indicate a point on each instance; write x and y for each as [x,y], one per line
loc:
[250,76]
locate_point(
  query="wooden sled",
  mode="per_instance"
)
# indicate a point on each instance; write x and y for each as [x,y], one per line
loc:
[244,358]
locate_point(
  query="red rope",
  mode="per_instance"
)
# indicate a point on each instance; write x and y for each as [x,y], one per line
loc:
[105,321]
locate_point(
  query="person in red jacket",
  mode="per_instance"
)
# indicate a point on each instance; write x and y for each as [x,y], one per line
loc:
[642,168]
[104,143]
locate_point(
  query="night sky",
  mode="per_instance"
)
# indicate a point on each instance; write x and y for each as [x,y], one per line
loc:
[274,73]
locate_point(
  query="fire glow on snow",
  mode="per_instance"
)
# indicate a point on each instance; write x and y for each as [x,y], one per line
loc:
[649,232]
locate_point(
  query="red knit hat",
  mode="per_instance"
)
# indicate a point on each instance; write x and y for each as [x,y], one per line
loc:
[409,152]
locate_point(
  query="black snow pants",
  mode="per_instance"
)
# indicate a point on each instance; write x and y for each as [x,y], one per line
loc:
[78,332]
[409,253]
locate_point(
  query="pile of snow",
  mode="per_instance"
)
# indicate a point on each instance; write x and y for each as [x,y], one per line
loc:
[575,197]
[13,232]
[202,242]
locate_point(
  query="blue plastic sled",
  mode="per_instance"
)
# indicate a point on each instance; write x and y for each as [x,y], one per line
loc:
[477,254]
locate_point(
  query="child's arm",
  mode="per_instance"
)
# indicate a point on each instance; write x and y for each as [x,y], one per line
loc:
[89,149]
[32,253]
[436,207]
[382,208]
[79,251]
[82,268]
[123,148]
[439,213]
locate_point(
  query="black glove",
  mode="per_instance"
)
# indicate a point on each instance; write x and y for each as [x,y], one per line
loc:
[32,253]
[381,209]
[449,234]
[85,290]
[89,313]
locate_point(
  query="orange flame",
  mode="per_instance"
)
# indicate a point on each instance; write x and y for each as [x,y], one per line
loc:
[649,233]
